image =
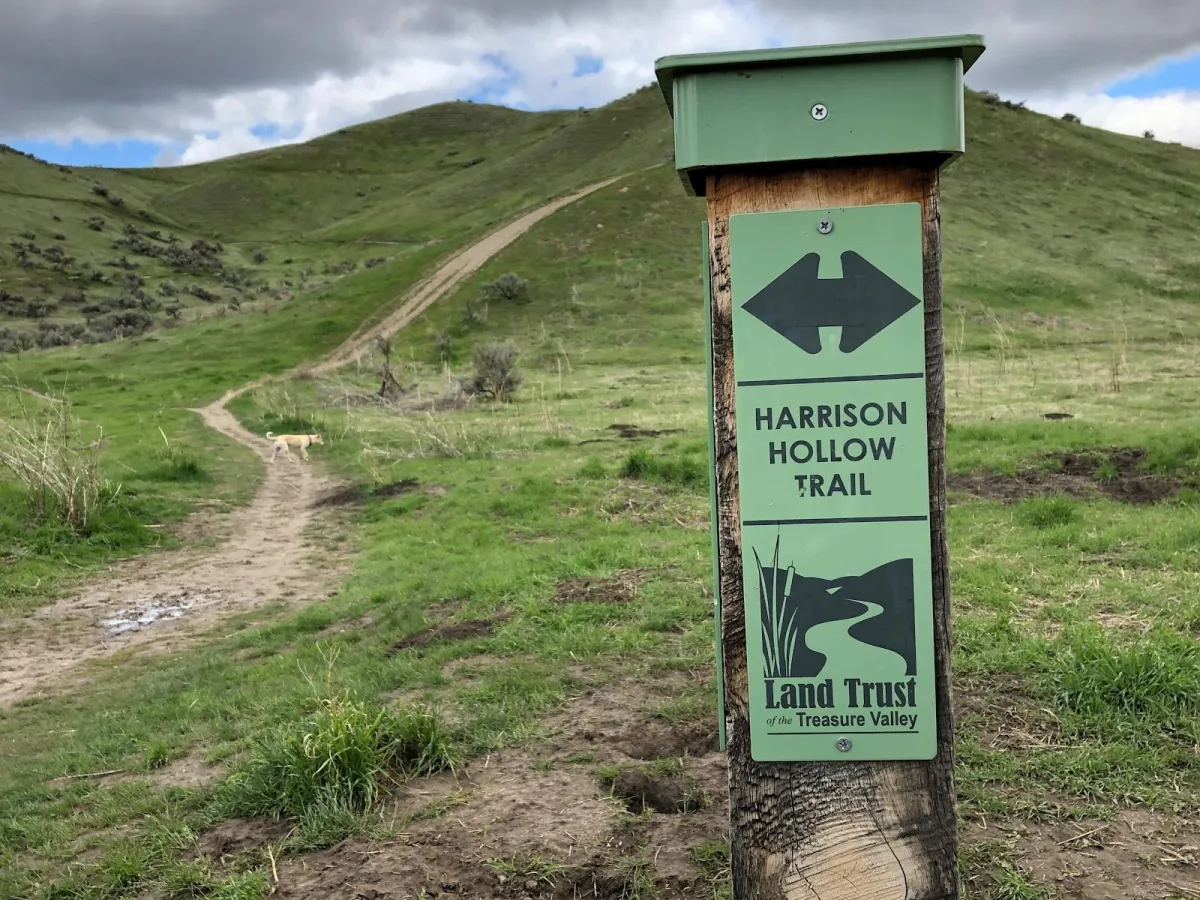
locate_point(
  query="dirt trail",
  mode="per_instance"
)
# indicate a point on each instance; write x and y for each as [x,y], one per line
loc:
[444,279]
[269,554]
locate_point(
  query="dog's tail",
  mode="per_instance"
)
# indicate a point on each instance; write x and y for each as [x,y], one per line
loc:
[270,435]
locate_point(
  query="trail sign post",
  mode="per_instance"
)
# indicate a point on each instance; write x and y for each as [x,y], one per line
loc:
[820,170]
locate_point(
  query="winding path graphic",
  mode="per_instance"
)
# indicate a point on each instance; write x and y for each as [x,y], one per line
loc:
[849,658]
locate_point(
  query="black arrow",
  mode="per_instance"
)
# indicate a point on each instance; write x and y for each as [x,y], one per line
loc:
[864,301]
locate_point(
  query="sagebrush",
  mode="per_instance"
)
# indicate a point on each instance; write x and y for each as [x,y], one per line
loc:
[496,372]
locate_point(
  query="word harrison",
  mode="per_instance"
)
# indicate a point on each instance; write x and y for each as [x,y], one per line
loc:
[836,415]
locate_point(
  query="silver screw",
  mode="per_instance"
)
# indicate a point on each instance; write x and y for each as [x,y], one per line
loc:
[824,226]
[820,111]
[843,744]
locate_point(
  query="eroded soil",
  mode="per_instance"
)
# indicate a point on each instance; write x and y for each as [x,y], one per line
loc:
[539,822]
[1112,471]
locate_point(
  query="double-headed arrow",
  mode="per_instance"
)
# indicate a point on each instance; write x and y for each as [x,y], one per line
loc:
[864,301]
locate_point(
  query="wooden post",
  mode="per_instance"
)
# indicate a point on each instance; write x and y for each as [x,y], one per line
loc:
[833,804]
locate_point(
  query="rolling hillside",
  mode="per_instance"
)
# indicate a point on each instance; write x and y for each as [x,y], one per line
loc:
[522,589]
[128,250]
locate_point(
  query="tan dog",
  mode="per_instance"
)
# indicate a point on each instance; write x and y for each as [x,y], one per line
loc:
[285,442]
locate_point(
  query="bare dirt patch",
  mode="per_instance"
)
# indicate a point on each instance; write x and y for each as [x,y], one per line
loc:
[191,771]
[501,815]
[1112,471]
[538,823]
[1008,718]
[234,837]
[358,494]
[451,631]
[618,724]
[666,794]
[620,588]
[1138,856]
[632,433]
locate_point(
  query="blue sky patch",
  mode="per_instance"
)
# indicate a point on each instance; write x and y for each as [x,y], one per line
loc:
[587,65]
[111,154]
[495,89]
[273,131]
[1173,75]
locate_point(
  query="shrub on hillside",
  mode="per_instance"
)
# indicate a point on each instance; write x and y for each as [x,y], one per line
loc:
[1148,135]
[54,334]
[15,341]
[38,309]
[95,223]
[126,323]
[203,294]
[99,188]
[1071,117]
[28,235]
[475,311]
[496,372]
[259,257]
[509,287]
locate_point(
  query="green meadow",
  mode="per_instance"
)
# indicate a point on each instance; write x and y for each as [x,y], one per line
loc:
[529,582]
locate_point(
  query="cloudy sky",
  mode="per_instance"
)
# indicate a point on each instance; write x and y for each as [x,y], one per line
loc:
[144,82]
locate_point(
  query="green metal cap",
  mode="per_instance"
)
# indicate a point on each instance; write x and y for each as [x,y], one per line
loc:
[967,47]
[866,99]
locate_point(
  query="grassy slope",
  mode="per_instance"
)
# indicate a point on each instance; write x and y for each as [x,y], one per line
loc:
[308,198]
[1078,718]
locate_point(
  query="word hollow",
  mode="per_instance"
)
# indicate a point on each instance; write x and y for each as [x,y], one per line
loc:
[831,451]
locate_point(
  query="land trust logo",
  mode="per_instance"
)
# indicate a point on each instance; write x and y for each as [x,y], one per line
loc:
[847,643]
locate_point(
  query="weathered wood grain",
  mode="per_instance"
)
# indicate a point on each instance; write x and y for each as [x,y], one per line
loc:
[831,831]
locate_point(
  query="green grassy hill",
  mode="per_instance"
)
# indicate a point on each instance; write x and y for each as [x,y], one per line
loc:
[92,255]
[518,555]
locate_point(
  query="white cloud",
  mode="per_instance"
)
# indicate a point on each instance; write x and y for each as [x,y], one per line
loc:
[448,66]
[1173,116]
[330,103]
[327,66]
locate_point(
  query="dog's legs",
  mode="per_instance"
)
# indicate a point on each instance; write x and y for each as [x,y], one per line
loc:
[304,453]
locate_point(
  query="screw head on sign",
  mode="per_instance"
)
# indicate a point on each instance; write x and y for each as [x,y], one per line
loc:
[820,111]
[843,744]
[824,226]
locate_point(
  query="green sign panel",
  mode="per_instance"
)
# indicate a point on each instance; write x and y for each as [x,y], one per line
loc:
[829,358]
